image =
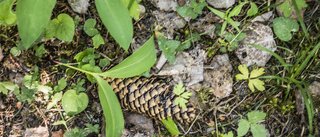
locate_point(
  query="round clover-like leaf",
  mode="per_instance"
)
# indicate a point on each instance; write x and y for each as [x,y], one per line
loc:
[89,27]
[64,27]
[74,103]
[283,26]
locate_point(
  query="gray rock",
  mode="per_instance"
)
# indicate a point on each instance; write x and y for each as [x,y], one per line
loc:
[221,3]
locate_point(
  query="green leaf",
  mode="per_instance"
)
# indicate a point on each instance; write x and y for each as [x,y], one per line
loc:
[245,72]
[256,72]
[133,9]
[32,17]
[258,130]
[286,8]
[181,102]
[186,11]
[40,50]
[89,67]
[139,62]
[283,26]
[45,89]
[62,83]
[97,40]
[30,82]
[168,47]
[301,4]
[7,17]
[50,30]
[94,128]
[76,132]
[179,89]
[116,17]
[89,27]
[9,85]
[243,127]
[15,51]
[111,108]
[104,62]
[198,9]
[186,94]
[74,103]
[253,9]
[55,99]
[256,116]
[256,83]
[230,134]
[64,27]
[59,123]
[236,10]
[78,87]
[217,12]
[171,126]
[25,95]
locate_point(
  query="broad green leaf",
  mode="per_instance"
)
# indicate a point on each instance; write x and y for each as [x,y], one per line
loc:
[198,9]
[258,130]
[217,12]
[245,72]
[9,85]
[186,11]
[116,17]
[236,10]
[55,99]
[283,27]
[62,83]
[7,17]
[256,116]
[89,27]
[97,41]
[32,17]
[171,126]
[243,127]
[139,62]
[133,8]
[111,108]
[74,103]
[256,83]
[44,89]
[3,89]
[186,94]
[104,62]
[179,89]
[29,82]
[91,68]
[253,9]
[64,27]
[256,72]
[286,8]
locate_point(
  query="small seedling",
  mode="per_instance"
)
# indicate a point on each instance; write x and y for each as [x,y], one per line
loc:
[253,80]
[183,95]
[192,11]
[171,126]
[253,118]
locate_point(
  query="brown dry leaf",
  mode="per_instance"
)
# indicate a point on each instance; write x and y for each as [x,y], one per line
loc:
[211,123]
[57,133]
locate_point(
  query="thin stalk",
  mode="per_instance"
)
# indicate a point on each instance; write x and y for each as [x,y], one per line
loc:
[300,19]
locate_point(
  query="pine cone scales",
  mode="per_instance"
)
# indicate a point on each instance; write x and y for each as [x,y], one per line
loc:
[150,96]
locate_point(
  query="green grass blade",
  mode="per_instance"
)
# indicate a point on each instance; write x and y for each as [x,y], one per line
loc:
[137,63]
[273,77]
[116,17]
[300,19]
[111,108]
[309,107]
[32,17]
[272,53]
[305,62]
[302,56]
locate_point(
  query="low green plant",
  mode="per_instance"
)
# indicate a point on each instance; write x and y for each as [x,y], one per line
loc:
[192,11]
[182,94]
[253,79]
[291,78]
[257,130]
[171,126]
[136,64]
[232,43]
[91,31]
[5,86]
[82,132]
